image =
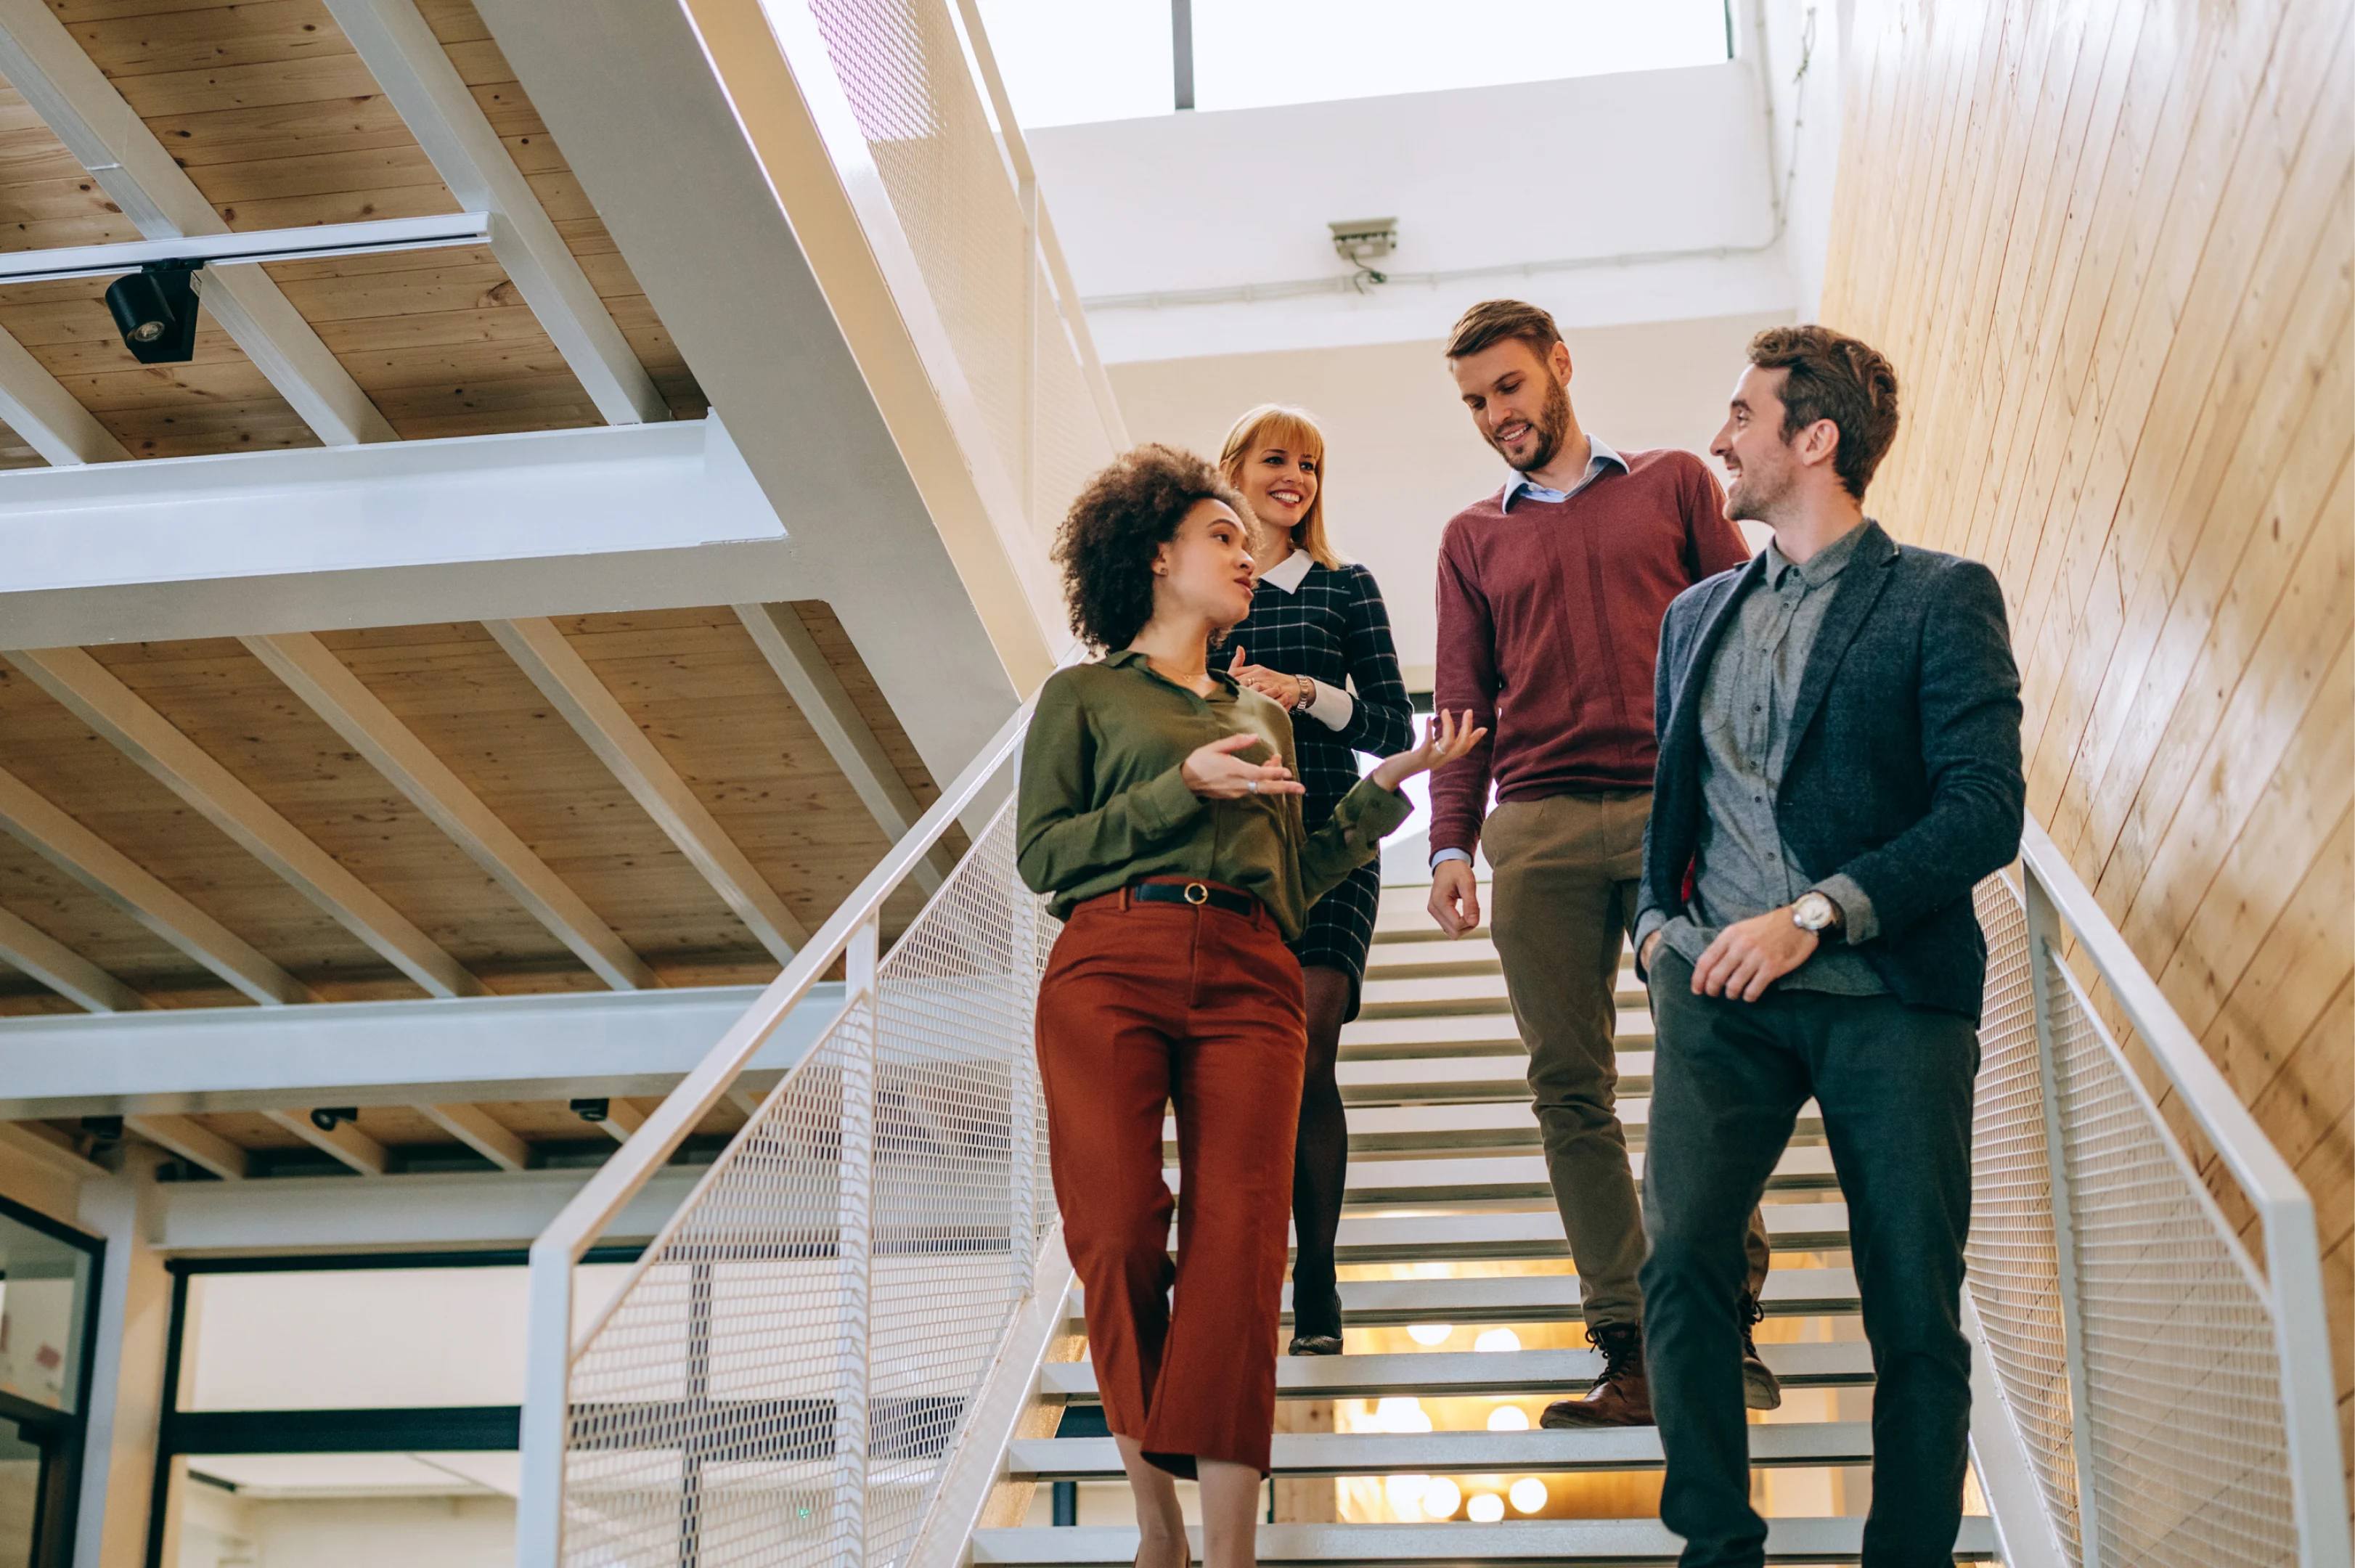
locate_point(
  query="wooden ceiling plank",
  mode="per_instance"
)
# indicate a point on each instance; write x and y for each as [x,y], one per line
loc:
[347,1142]
[621,1119]
[63,970]
[777,630]
[475,1127]
[121,881]
[38,408]
[48,1146]
[120,716]
[42,60]
[567,681]
[192,1142]
[402,53]
[339,698]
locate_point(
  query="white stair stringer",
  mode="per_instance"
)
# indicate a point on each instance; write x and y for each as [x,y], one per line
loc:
[1446,1175]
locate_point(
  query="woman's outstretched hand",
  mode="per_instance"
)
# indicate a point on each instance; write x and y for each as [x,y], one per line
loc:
[1215,772]
[1442,741]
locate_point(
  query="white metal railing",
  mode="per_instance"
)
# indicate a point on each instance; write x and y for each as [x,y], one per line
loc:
[782,1376]
[2164,1399]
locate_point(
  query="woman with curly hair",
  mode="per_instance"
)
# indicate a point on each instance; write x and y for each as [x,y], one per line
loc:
[1159,809]
[1318,628]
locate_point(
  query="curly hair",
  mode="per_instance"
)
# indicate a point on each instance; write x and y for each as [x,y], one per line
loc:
[1109,538]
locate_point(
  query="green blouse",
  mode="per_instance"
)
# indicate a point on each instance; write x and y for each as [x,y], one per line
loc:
[1104,804]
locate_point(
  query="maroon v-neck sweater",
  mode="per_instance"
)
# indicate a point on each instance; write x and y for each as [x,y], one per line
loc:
[1548,626]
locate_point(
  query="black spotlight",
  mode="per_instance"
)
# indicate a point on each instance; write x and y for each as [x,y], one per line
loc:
[155,310]
[326,1118]
[593,1110]
[104,1129]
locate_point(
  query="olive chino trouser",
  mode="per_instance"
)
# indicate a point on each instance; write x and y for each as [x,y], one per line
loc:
[1561,906]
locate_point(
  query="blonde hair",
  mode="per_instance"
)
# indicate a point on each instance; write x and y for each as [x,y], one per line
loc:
[1278,424]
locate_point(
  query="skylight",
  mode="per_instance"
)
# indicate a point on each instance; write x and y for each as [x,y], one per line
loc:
[1069,61]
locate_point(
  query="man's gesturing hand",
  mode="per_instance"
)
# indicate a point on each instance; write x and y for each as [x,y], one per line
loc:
[1750,955]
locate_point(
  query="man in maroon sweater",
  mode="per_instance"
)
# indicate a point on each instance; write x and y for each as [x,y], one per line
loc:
[1551,597]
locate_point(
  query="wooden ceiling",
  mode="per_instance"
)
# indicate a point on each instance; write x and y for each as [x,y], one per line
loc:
[270,112]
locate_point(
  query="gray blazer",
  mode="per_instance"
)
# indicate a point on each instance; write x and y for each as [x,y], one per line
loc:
[1904,766]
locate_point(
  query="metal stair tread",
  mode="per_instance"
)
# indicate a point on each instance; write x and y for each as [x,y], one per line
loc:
[1370,1237]
[1450,1374]
[1444,1079]
[1461,1453]
[1625,1542]
[1466,1034]
[1442,1179]
[1543,1297]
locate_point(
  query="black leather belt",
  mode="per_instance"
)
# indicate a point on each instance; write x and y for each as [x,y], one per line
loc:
[1197,893]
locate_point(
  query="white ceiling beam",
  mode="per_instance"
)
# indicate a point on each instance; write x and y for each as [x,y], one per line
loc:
[52,421]
[340,698]
[567,681]
[48,1146]
[253,247]
[621,1119]
[401,52]
[435,1211]
[472,1126]
[345,1143]
[62,970]
[49,832]
[67,90]
[194,1143]
[120,716]
[798,662]
[467,1051]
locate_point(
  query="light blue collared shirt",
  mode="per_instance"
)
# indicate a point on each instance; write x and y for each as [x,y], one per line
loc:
[1599,457]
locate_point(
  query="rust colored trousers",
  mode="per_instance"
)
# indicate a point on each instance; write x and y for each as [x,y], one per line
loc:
[1144,1004]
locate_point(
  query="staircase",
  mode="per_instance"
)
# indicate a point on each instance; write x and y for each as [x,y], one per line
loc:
[1450,1224]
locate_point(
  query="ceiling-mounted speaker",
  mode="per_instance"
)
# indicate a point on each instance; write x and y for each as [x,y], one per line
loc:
[155,308]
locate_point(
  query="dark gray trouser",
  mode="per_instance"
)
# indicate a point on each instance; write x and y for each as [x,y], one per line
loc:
[1894,1085]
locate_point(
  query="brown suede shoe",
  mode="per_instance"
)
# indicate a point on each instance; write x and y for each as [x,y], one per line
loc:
[1620,1397]
[1760,1389]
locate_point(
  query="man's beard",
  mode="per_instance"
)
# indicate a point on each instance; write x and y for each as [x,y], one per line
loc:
[1754,498]
[1552,425]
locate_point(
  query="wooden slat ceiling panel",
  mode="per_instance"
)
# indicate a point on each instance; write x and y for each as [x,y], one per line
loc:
[57,756]
[36,891]
[701,692]
[459,692]
[826,629]
[222,697]
[484,70]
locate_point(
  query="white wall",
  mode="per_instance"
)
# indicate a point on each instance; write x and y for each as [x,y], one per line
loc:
[1486,181]
[1403,456]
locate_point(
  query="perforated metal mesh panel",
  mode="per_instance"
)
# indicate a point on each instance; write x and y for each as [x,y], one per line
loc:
[780,1380]
[2185,1460]
[904,67]
[2014,1277]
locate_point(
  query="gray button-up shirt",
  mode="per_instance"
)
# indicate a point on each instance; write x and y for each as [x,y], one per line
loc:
[1744,867]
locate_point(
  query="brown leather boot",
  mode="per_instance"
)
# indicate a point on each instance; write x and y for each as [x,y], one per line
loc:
[1760,1389]
[1620,1397]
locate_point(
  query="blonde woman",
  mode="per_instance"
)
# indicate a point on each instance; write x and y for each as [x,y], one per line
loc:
[1318,641]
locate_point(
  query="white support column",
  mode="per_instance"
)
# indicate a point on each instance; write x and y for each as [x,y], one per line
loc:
[121,881]
[122,718]
[565,678]
[192,1142]
[848,739]
[51,421]
[338,697]
[347,1142]
[407,60]
[471,1125]
[63,970]
[127,1396]
[65,87]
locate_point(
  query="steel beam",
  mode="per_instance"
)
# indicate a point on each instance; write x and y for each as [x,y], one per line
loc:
[118,715]
[339,698]
[67,90]
[567,681]
[113,876]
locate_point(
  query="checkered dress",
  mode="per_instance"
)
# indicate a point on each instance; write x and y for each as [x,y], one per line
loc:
[1335,630]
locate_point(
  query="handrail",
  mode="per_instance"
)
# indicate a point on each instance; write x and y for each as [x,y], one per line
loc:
[559,1249]
[2293,1267]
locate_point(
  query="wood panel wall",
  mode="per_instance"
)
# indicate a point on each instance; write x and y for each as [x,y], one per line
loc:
[2108,245]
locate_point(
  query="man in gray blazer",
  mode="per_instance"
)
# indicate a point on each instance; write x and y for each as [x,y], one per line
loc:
[1839,764]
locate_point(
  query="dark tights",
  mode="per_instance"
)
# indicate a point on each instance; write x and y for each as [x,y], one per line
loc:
[1320,1160]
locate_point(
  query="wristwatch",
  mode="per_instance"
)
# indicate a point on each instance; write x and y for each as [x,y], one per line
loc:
[1815,913]
[1307,694]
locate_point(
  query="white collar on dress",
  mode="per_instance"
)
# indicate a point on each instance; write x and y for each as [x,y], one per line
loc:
[1288,573]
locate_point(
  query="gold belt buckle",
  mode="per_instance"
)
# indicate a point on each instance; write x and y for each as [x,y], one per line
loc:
[1196,894]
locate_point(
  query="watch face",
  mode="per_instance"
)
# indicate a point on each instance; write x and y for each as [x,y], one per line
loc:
[1812,912]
